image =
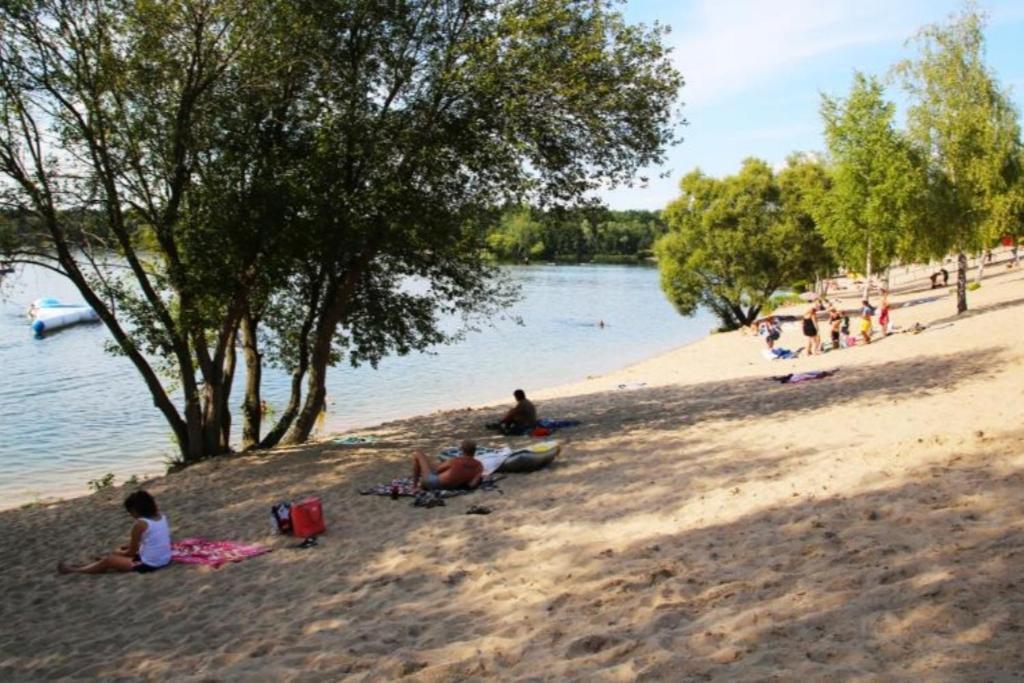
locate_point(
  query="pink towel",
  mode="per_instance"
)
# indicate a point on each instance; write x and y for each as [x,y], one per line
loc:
[213,553]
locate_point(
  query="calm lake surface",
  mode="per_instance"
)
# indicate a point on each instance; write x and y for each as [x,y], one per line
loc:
[70,411]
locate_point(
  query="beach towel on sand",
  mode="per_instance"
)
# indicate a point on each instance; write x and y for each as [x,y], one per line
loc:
[779,354]
[552,425]
[354,440]
[213,553]
[403,487]
[793,378]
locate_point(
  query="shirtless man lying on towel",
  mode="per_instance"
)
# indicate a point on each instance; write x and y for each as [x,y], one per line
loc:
[463,471]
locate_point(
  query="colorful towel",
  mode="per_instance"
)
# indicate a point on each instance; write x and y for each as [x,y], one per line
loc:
[552,425]
[779,354]
[793,378]
[403,487]
[354,440]
[213,553]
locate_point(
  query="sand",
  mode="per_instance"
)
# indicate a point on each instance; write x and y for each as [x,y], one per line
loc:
[707,525]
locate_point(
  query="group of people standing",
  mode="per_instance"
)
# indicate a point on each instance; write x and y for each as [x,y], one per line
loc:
[839,324]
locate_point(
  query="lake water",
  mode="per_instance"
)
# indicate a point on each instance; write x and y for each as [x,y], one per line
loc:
[70,412]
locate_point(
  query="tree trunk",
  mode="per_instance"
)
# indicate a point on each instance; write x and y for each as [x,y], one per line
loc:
[252,412]
[981,267]
[316,389]
[284,422]
[335,306]
[867,272]
[230,363]
[961,282]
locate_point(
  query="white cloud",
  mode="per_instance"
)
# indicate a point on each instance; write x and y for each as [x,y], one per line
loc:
[724,47]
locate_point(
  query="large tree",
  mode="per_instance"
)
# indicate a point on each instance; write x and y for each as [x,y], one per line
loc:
[967,128]
[314,178]
[878,188]
[432,114]
[110,109]
[733,242]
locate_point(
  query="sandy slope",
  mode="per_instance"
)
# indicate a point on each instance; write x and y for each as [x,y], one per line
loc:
[709,525]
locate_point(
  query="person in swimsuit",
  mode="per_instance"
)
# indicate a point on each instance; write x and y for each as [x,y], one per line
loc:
[883,313]
[149,542]
[811,331]
[865,326]
[835,322]
[463,471]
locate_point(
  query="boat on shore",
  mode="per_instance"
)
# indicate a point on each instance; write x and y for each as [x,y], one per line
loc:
[49,314]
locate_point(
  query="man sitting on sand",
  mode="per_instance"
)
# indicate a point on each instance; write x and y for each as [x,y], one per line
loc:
[520,419]
[462,471]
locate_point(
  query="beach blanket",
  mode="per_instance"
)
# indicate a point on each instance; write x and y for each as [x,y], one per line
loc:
[794,378]
[402,487]
[354,440]
[213,553]
[552,425]
[779,354]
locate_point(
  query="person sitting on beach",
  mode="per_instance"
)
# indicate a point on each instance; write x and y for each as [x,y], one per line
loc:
[520,419]
[462,471]
[149,542]
[770,330]
[835,322]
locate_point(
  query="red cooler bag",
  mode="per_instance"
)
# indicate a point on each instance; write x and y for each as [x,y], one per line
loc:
[307,518]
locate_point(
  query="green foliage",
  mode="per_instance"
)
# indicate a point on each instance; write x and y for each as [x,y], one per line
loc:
[972,286]
[733,242]
[104,483]
[586,234]
[782,300]
[968,129]
[876,202]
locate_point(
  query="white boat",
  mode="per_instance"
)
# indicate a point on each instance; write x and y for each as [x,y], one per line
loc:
[50,314]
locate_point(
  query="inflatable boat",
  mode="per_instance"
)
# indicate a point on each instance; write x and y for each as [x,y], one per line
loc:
[50,314]
[533,457]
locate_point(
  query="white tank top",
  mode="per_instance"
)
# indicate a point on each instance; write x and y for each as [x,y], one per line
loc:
[155,546]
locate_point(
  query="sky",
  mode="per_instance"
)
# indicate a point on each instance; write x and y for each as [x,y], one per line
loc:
[755,71]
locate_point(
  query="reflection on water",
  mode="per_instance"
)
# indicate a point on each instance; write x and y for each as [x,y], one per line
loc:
[70,412]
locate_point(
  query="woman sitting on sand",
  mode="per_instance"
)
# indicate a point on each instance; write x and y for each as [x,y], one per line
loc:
[149,542]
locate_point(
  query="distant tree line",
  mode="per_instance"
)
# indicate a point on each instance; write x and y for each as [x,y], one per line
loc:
[952,181]
[577,235]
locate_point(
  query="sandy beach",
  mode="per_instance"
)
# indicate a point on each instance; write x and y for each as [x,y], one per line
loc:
[703,523]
